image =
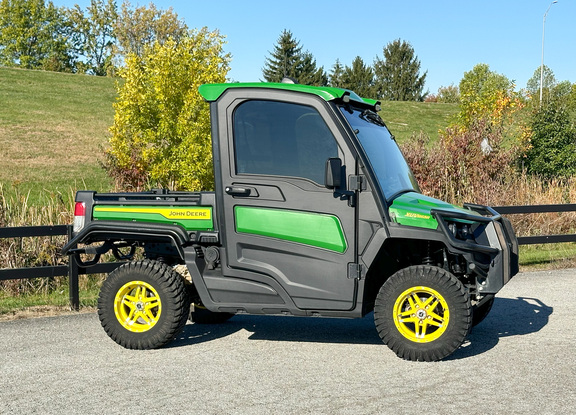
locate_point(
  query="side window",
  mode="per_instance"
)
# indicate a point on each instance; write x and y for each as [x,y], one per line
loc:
[282,139]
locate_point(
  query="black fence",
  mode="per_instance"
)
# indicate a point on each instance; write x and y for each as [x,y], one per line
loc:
[541,239]
[73,271]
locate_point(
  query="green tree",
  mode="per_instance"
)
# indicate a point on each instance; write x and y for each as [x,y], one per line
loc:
[33,36]
[139,27]
[93,35]
[359,78]
[288,60]
[548,82]
[448,94]
[551,149]
[553,92]
[485,94]
[161,131]
[397,76]
[572,101]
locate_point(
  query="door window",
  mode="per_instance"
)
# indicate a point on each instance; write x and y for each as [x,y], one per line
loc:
[282,139]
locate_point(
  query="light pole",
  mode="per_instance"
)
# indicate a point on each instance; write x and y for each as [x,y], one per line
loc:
[542,64]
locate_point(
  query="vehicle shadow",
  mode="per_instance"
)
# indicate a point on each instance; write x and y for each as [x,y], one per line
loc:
[509,317]
[286,329]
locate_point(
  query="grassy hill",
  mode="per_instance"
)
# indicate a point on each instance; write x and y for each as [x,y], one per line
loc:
[405,119]
[53,127]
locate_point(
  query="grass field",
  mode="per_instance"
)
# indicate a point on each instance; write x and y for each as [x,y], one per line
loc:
[52,130]
[405,119]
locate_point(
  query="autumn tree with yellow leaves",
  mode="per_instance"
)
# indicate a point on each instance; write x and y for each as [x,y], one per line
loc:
[161,131]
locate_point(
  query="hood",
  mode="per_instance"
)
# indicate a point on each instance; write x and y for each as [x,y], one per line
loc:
[413,209]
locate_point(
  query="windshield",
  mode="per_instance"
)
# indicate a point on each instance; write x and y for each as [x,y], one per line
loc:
[388,163]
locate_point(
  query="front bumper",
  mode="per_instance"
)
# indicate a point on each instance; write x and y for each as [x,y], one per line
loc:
[493,255]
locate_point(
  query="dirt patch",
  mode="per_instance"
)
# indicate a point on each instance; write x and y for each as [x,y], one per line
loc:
[43,311]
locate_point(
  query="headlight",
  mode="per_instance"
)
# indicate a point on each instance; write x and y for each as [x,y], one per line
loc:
[462,231]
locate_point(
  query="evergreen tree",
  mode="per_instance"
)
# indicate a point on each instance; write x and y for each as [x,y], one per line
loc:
[285,59]
[309,74]
[397,76]
[288,60]
[359,78]
[337,75]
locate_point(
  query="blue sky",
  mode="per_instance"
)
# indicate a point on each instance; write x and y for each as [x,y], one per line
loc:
[448,36]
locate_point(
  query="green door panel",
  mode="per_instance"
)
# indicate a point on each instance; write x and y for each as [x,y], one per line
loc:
[315,229]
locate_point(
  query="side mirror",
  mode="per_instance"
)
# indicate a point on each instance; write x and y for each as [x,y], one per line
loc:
[333,176]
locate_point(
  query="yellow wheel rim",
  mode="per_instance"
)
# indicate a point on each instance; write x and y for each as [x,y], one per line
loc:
[421,314]
[137,306]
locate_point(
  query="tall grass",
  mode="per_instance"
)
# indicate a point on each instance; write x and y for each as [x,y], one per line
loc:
[525,189]
[15,211]
[40,294]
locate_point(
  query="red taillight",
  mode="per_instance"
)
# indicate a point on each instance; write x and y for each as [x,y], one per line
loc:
[80,209]
[79,216]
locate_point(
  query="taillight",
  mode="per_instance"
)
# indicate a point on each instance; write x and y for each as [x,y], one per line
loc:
[79,216]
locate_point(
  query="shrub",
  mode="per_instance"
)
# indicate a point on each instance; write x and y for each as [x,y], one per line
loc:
[465,165]
[550,148]
[449,94]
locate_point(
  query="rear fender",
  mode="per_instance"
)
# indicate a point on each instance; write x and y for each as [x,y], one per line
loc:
[112,231]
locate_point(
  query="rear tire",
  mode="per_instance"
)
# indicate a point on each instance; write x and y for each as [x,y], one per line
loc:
[143,305]
[423,313]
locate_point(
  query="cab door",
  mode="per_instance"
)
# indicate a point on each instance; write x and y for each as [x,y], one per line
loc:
[282,228]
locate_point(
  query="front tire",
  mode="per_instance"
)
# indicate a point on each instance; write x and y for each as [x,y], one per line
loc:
[423,313]
[143,305]
[480,312]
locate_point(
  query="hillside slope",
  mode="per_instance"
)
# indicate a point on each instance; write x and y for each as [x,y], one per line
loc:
[408,118]
[53,127]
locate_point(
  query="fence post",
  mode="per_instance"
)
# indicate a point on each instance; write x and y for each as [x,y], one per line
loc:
[74,290]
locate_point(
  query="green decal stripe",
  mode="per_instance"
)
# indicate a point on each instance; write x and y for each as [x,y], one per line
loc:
[319,230]
[190,218]
[415,209]
[418,218]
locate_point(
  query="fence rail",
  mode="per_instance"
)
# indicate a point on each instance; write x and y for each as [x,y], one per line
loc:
[529,209]
[73,271]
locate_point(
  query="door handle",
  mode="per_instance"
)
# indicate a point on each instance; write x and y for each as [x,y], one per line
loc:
[237,191]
